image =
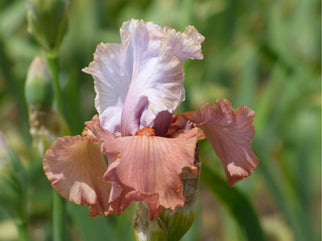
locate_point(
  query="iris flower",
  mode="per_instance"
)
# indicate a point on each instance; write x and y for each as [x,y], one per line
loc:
[139,85]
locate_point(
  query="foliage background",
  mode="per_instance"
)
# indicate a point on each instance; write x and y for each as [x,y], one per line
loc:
[263,54]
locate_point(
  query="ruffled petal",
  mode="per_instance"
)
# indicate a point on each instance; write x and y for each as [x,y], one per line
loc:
[147,168]
[112,73]
[75,167]
[157,80]
[230,133]
[141,77]
[182,121]
[122,196]
[187,44]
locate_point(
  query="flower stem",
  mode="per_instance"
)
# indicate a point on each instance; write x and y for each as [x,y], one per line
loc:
[59,210]
[54,68]
[146,229]
[23,232]
[59,217]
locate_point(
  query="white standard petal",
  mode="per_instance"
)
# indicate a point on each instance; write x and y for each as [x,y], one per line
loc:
[112,73]
[141,77]
[187,44]
[157,80]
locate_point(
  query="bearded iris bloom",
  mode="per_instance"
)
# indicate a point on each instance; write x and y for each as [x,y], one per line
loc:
[139,85]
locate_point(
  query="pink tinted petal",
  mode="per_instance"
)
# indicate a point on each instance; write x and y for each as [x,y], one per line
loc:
[148,168]
[122,196]
[157,80]
[112,73]
[230,133]
[181,122]
[142,76]
[187,44]
[75,167]
[95,130]
[161,123]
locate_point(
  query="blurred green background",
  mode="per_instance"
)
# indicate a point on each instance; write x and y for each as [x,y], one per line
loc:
[263,54]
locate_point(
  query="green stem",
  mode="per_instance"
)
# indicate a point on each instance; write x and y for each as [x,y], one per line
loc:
[59,217]
[59,210]
[54,68]
[23,232]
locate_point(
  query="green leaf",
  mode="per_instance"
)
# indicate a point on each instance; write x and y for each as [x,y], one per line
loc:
[236,203]
[90,229]
[103,228]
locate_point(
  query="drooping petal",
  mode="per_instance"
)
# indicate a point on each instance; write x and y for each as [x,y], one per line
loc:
[230,133]
[148,168]
[187,44]
[122,196]
[75,167]
[142,76]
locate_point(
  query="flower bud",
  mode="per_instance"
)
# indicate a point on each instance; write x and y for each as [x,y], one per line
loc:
[45,123]
[38,87]
[179,221]
[47,21]
[146,229]
[12,182]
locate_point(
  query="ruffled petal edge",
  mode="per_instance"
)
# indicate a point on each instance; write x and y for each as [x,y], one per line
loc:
[230,133]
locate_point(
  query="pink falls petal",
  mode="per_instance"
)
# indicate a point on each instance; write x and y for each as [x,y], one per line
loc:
[230,133]
[122,196]
[147,168]
[75,167]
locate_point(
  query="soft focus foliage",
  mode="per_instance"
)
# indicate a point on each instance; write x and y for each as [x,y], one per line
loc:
[262,54]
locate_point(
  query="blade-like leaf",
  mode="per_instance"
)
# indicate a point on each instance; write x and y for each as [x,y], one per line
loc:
[235,202]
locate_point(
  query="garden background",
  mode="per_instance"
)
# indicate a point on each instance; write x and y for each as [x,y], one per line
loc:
[262,54]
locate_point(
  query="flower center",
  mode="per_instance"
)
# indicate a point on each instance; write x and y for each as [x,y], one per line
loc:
[146,131]
[85,132]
